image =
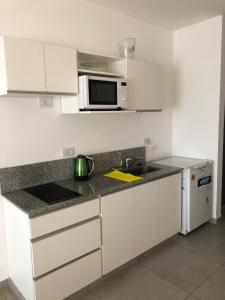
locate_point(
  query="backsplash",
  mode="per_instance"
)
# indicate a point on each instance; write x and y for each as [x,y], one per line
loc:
[16,178]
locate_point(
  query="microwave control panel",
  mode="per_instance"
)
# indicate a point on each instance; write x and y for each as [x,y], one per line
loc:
[123,94]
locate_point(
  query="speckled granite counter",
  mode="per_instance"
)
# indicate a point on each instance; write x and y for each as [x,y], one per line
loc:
[97,185]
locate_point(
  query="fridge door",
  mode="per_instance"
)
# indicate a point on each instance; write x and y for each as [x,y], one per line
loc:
[199,195]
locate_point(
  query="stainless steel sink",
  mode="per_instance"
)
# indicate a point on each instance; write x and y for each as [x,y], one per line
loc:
[140,170]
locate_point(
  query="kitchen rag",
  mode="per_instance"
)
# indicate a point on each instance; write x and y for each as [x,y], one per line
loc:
[127,177]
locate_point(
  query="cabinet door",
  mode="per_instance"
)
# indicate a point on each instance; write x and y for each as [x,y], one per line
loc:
[155,86]
[170,206]
[136,76]
[117,229]
[24,65]
[146,220]
[61,69]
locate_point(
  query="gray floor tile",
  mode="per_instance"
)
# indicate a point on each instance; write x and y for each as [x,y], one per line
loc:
[213,288]
[191,297]
[208,240]
[85,296]
[180,265]
[6,294]
[138,283]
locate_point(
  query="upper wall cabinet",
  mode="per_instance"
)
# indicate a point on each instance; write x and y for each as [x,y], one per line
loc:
[136,75]
[21,66]
[145,85]
[34,67]
[61,69]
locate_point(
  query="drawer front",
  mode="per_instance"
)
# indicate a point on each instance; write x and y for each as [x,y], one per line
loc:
[69,279]
[65,217]
[63,247]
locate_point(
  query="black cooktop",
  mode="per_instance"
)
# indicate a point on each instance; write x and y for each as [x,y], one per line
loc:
[51,193]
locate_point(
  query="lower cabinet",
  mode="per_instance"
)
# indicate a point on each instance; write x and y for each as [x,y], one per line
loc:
[135,220]
[59,253]
[54,255]
[117,229]
[67,280]
[59,248]
[170,206]
[146,217]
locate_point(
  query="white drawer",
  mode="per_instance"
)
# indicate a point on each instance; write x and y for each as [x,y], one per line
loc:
[69,279]
[65,246]
[62,218]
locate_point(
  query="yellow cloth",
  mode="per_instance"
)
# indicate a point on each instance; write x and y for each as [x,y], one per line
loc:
[123,176]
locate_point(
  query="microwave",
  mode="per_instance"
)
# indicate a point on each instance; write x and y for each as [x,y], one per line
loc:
[102,93]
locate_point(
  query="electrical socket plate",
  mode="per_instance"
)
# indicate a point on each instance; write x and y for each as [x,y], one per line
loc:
[46,102]
[68,152]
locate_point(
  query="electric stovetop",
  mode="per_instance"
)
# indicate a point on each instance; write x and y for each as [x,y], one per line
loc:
[51,193]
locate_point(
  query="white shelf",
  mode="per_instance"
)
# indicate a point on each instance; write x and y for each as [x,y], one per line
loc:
[102,65]
[93,72]
[97,57]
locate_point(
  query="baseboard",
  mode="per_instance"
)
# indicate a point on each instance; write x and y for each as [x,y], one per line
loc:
[4,283]
[215,220]
[15,290]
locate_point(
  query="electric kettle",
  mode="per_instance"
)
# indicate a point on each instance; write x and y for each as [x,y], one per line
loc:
[83,167]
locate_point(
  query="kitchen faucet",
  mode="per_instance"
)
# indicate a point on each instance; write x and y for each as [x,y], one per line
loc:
[130,160]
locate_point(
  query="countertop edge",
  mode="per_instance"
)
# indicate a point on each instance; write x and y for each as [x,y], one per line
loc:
[38,212]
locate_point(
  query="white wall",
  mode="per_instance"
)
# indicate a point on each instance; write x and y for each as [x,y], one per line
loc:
[29,134]
[197,107]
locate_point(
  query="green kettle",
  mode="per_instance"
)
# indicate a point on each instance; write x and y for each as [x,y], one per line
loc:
[83,167]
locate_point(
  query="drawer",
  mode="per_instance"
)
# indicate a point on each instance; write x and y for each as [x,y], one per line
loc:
[69,279]
[65,246]
[62,218]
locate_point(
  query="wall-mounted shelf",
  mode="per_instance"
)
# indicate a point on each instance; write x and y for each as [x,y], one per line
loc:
[148,110]
[102,65]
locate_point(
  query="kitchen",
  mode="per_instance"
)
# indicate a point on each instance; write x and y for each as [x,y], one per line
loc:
[37,134]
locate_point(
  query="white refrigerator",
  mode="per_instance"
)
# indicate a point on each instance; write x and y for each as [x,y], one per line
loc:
[196,189]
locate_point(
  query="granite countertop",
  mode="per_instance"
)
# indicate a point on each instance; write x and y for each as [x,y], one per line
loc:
[97,185]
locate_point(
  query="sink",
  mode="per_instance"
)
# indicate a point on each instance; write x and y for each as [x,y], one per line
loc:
[140,170]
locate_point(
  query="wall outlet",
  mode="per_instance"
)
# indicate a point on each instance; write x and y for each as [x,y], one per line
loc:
[147,141]
[46,102]
[155,147]
[68,152]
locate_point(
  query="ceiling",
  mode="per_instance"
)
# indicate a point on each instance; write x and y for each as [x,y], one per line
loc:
[172,14]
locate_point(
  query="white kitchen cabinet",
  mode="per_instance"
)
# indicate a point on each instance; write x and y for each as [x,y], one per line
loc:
[70,278]
[145,85]
[28,67]
[117,229]
[60,248]
[170,206]
[155,86]
[61,69]
[54,255]
[146,216]
[21,66]
[136,76]
[137,219]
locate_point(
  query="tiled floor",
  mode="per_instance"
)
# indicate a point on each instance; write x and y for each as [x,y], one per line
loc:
[5,294]
[190,268]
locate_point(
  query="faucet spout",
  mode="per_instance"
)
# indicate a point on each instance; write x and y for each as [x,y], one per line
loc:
[130,160]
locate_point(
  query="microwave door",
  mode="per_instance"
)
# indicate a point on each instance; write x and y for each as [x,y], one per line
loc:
[102,94]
